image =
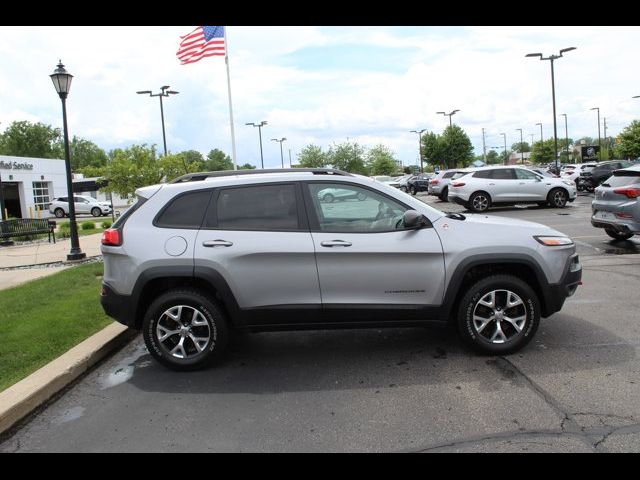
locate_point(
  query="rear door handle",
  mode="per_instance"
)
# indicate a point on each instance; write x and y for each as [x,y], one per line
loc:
[335,243]
[216,243]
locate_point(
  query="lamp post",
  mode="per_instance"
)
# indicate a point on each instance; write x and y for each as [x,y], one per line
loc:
[551,58]
[449,115]
[164,92]
[419,132]
[599,142]
[280,140]
[259,125]
[62,83]
[541,140]
[566,134]
[504,136]
[521,146]
[484,148]
[1,199]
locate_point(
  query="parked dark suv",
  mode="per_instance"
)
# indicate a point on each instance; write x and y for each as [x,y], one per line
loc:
[594,177]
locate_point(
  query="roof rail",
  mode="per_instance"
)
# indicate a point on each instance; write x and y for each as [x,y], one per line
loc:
[194,177]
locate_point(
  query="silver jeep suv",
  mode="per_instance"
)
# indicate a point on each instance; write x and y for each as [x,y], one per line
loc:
[212,253]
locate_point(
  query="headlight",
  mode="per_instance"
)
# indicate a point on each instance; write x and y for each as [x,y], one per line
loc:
[553,241]
[566,182]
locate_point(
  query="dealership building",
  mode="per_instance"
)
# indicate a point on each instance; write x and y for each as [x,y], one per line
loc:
[28,185]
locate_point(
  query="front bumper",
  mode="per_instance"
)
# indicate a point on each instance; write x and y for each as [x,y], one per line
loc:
[556,294]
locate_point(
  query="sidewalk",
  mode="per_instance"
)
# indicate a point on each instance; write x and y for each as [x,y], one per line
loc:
[39,257]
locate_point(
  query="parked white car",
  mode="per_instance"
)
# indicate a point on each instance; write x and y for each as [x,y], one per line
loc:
[573,172]
[391,181]
[478,189]
[83,204]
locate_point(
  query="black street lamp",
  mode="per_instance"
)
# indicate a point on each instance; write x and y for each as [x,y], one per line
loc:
[504,136]
[521,146]
[599,142]
[419,132]
[259,125]
[551,58]
[280,140]
[164,92]
[62,82]
[449,115]
[566,134]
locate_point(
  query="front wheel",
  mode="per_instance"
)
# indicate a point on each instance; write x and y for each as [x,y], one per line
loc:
[59,213]
[414,191]
[558,198]
[184,330]
[328,198]
[618,235]
[96,212]
[498,315]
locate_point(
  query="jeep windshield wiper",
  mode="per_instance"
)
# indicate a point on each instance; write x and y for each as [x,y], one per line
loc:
[456,216]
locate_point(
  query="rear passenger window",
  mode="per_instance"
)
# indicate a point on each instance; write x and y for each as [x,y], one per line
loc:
[503,174]
[185,211]
[259,207]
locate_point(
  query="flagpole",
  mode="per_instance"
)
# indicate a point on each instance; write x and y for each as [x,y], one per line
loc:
[233,135]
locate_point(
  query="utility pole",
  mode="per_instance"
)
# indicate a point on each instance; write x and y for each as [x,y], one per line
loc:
[484,149]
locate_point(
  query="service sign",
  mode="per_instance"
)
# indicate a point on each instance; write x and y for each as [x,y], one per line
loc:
[15,166]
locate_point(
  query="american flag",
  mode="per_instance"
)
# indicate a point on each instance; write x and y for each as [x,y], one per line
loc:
[202,42]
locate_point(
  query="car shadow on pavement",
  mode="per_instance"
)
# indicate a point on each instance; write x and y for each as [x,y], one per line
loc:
[266,363]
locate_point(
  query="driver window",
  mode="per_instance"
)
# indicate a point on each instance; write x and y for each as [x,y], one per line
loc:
[349,208]
[525,174]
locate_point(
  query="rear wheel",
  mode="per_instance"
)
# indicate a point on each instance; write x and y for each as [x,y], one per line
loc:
[185,330]
[498,315]
[558,198]
[361,196]
[479,202]
[414,191]
[444,196]
[96,212]
[328,198]
[618,235]
[59,213]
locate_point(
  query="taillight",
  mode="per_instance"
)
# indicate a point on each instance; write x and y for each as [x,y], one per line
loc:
[112,237]
[629,192]
[435,182]
[457,184]
[623,215]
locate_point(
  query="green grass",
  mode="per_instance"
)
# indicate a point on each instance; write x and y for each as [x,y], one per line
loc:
[81,232]
[42,319]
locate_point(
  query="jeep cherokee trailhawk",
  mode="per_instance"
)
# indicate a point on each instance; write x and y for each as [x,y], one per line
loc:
[211,253]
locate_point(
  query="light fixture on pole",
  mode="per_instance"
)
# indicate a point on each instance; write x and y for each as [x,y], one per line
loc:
[62,83]
[521,146]
[259,125]
[419,132]
[164,92]
[599,142]
[551,58]
[566,134]
[280,140]
[449,115]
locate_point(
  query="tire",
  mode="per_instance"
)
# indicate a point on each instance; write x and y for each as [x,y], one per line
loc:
[96,212]
[498,337]
[557,198]
[618,235]
[479,202]
[200,344]
[444,196]
[414,191]
[59,213]
[361,196]
[404,189]
[328,198]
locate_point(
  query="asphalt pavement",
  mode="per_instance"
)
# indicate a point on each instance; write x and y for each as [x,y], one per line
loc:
[575,388]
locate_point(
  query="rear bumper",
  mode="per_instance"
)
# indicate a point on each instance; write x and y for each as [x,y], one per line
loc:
[119,307]
[457,199]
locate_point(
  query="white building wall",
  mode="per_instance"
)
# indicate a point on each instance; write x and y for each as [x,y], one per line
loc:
[25,171]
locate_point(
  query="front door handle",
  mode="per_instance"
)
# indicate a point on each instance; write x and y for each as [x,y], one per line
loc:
[216,243]
[335,243]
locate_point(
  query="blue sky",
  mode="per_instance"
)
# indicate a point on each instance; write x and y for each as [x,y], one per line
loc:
[321,84]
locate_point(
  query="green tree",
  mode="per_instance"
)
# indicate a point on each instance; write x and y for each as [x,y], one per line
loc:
[492,157]
[312,156]
[85,153]
[246,166]
[175,165]
[628,142]
[26,139]
[456,147]
[349,157]
[543,151]
[218,160]
[432,152]
[191,156]
[132,168]
[521,147]
[380,161]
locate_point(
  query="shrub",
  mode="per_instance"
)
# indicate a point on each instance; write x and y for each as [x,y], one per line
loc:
[88,225]
[64,230]
[106,224]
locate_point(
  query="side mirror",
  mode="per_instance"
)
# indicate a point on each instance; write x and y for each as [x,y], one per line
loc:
[414,220]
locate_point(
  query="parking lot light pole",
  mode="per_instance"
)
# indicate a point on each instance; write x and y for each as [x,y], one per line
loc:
[551,58]
[599,142]
[521,146]
[541,140]
[259,125]
[62,83]
[449,115]
[566,134]
[280,140]
[164,92]
[419,132]
[504,136]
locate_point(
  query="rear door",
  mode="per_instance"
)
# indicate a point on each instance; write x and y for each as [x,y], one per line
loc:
[365,257]
[503,185]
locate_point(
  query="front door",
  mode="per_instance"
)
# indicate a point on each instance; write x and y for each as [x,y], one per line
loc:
[365,256]
[532,187]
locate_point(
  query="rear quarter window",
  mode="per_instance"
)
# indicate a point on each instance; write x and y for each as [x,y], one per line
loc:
[620,181]
[184,211]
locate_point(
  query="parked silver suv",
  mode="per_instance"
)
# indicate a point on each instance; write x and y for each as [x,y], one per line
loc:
[211,253]
[616,206]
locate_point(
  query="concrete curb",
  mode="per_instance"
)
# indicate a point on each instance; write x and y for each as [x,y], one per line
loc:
[19,400]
